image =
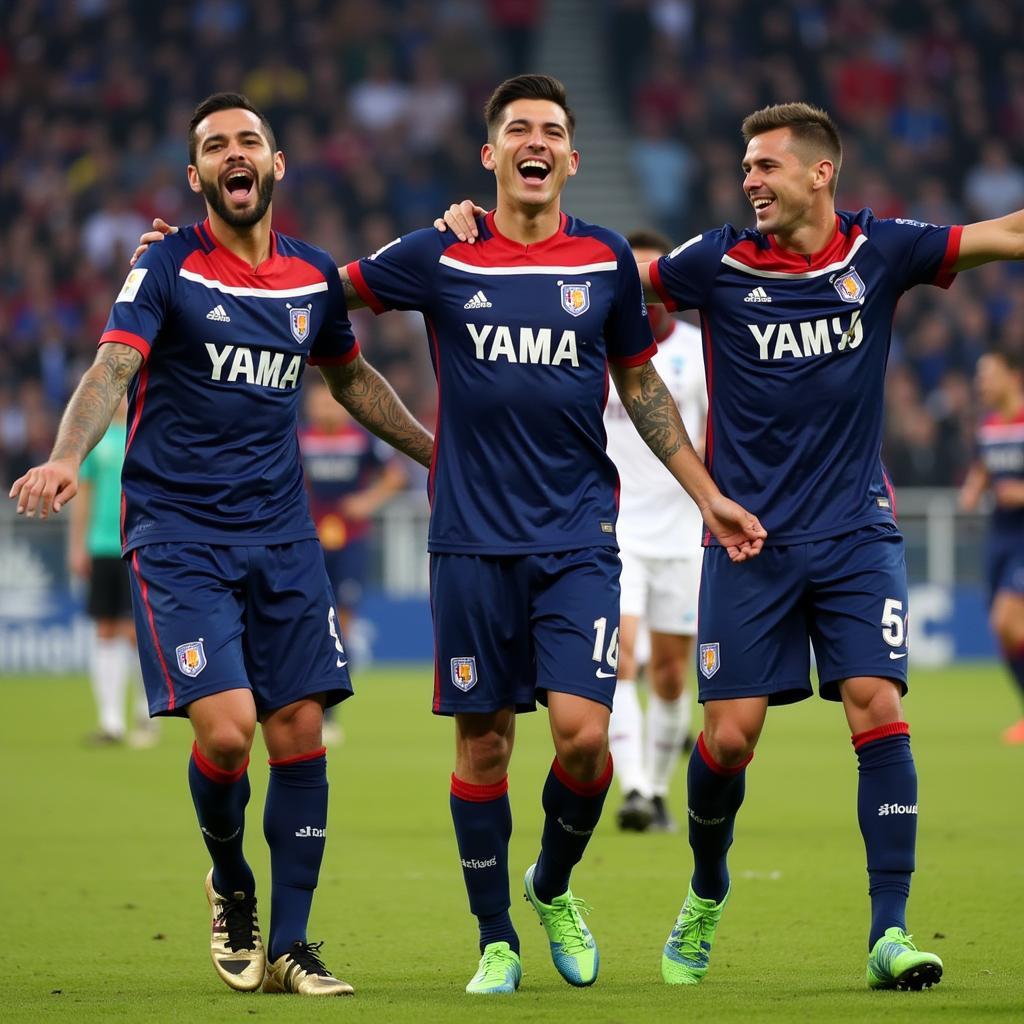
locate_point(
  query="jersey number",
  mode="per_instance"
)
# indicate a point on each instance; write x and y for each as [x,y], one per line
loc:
[612,654]
[894,623]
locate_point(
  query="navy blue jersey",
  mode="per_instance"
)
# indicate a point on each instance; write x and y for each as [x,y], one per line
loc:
[520,341]
[1001,452]
[795,354]
[212,452]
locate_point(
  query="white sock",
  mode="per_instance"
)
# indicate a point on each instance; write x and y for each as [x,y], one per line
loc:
[108,668]
[625,737]
[668,722]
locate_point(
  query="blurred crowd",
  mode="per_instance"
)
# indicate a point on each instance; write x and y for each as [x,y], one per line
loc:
[378,108]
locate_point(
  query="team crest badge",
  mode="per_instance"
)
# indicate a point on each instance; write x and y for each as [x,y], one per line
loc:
[464,673]
[299,318]
[575,298]
[709,660]
[850,286]
[191,658]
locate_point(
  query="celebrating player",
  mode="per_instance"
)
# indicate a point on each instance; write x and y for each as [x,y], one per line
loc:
[233,607]
[659,531]
[797,318]
[1000,467]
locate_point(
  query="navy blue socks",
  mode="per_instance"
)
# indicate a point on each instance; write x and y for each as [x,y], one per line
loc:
[714,796]
[295,826]
[572,810]
[483,826]
[220,797]
[887,812]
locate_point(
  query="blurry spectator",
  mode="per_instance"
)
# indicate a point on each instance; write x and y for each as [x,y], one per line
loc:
[664,168]
[994,185]
[379,102]
[516,22]
[434,106]
[109,235]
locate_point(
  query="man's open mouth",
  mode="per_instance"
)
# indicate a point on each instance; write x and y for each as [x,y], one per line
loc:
[239,184]
[534,170]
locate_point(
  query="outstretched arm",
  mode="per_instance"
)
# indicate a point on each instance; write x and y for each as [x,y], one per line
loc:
[84,422]
[656,417]
[988,240]
[372,401]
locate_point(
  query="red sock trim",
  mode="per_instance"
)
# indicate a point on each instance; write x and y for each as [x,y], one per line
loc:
[478,794]
[719,769]
[310,755]
[213,772]
[599,785]
[880,733]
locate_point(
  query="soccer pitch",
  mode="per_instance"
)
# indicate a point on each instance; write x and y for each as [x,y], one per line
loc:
[102,873]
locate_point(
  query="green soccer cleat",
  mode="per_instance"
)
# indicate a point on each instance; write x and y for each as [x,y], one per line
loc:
[684,960]
[499,973]
[573,949]
[895,962]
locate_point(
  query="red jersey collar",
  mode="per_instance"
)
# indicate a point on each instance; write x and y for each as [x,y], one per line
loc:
[533,247]
[206,231]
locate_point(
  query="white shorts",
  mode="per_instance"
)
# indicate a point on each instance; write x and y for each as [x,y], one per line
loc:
[662,591]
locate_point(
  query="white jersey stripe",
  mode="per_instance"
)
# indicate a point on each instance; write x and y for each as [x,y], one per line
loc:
[469,268]
[258,293]
[804,275]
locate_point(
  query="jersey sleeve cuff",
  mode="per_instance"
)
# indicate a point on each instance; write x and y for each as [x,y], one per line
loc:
[946,275]
[134,341]
[638,359]
[363,290]
[343,360]
[659,286]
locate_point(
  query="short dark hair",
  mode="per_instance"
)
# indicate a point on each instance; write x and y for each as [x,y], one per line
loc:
[526,87]
[645,238]
[810,125]
[225,101]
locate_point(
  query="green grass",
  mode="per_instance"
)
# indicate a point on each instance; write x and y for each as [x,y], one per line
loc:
[102,868]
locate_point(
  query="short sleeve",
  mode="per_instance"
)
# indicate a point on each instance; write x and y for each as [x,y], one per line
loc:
[143,302]
[917,253]
[401,274]
[627,329]
[335,343]
[683,277]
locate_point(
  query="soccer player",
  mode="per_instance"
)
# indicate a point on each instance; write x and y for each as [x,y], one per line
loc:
[524,328]
[94,555]
[349,474]
[233,607]
[999,467]
[659,532]
[796,316]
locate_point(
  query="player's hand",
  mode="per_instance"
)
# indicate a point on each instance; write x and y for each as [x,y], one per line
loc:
[739,532]
[160,228]
[1009,493]
[461,218]
[45,487]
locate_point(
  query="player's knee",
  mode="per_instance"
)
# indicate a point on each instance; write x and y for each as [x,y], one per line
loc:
[728,742]
[584,753]
[227,744]
[668,679]
[483,755]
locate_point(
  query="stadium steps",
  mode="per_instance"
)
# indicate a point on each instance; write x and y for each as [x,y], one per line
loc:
[571,47]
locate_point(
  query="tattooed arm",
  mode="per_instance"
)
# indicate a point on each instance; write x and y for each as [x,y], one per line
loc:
[85,421]
[656,417]
[372,401]
[352,298]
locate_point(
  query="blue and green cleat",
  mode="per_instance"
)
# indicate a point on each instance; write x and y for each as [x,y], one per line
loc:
[895,962]
[684,961]
[573,949]
[499,973]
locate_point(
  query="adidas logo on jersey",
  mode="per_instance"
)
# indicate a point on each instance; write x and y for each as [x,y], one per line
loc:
[218,314]
[758,295]
[479,301]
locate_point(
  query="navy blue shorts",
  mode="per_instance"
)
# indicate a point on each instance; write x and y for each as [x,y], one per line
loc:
[847,595]
[211,618]
[346,568]
[1004,564]
[509,628]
